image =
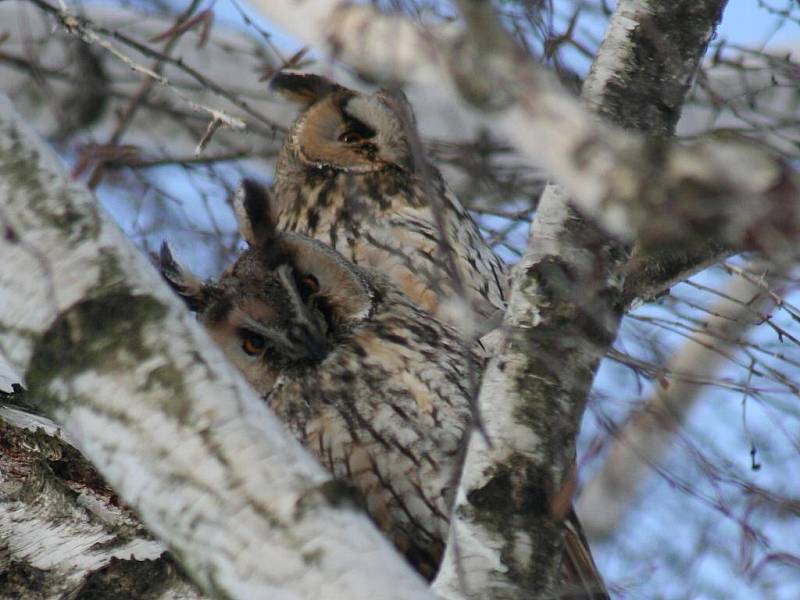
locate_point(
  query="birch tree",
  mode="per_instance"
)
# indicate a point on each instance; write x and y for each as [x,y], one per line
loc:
[137,463]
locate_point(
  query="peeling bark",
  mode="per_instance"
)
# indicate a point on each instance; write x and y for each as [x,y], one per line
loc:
[64,532]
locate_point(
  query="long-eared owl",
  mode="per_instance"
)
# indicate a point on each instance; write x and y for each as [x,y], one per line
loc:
[373,385]
[350,174]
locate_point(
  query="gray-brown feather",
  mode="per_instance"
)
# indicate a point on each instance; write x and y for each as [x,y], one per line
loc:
[368,201]
[385,407]
[389,410]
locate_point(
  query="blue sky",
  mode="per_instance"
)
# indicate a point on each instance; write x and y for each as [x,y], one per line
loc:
[745,20]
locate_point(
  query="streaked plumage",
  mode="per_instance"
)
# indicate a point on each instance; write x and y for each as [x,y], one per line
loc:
[374,386]
[348,175]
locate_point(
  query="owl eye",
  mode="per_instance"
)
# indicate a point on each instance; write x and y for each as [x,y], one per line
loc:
[307,285]
[351,137]
[356,132]
[252,343]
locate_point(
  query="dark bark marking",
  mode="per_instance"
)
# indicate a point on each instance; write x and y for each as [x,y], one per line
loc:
[104,334]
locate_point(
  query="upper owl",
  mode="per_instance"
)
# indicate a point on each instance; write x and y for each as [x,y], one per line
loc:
[348,175]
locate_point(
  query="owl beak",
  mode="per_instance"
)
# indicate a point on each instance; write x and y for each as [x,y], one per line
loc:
[308,341]
[315,347]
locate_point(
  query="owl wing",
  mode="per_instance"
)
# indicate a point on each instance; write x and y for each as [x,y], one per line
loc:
[408,247]
[583,578]
[388,411]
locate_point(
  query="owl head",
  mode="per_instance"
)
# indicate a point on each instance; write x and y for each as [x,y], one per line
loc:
[283,304]
[343,129]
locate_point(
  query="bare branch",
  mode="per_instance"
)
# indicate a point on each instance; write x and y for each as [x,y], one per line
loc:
[644,439]
[621,179]
[63,95]
[649,275]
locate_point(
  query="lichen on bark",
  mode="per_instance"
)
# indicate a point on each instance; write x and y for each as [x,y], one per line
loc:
[47,195]
[520,487]
[65,533]
[105,334]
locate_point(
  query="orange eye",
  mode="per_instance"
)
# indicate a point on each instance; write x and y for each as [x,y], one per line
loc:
[308,285]
[253,344]
[351,137]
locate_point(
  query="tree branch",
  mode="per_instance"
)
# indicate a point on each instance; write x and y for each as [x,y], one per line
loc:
[643,440]
[564,311]
[111,356]
[86,93]
[620,179]
[64,531]
[64,99]
[649,275]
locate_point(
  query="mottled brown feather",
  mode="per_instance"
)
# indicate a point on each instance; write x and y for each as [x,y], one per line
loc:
[376,203]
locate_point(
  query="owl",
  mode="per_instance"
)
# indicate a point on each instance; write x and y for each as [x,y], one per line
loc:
[351,174]
[370,383]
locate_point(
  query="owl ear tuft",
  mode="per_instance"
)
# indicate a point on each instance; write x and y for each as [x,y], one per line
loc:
[302,88]
[396,98]
[251,204]
[189,287]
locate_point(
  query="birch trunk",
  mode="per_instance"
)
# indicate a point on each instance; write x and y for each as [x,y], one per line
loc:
[566,302]
[64,532]
[111,356]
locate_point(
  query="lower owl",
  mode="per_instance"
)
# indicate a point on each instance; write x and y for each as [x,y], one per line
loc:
[375,387]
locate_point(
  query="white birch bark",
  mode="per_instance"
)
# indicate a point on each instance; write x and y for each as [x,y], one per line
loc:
[63,533]
[110,355]
[8,377]
[562,317]
[617,155]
